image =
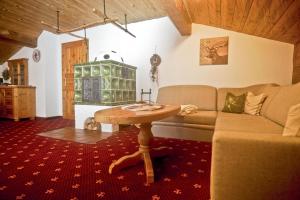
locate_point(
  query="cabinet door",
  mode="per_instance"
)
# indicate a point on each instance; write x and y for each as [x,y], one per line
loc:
[9,102]
[21,80]
[18,71]
[2,103]
[15,78]
[22,102]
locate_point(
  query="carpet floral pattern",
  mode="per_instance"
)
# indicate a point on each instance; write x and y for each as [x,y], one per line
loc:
[37,168]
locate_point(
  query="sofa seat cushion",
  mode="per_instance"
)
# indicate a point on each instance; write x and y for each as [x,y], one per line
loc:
[201,117]
[246,123]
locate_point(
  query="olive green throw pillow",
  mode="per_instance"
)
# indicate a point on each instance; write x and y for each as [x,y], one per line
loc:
[234,104]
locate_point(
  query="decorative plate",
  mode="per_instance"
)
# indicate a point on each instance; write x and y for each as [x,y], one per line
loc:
[36,55]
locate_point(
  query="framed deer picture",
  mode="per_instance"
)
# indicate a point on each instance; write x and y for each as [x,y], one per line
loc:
[214,51]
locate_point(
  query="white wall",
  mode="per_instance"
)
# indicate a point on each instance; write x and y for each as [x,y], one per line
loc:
[135,51]
[43,74]
[252,59]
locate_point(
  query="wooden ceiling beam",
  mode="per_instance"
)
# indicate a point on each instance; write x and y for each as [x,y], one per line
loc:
[179,15]
[17,38]
[7,50]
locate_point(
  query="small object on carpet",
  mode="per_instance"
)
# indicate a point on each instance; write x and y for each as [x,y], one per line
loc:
[91,124]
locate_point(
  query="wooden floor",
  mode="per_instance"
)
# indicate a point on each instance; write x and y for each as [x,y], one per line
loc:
[76,135]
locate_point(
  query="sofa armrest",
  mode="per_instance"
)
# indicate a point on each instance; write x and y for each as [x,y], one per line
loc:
[247,166]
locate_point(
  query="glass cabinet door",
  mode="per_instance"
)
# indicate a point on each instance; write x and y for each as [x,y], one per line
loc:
[18,71]
[22,75]
[15,68]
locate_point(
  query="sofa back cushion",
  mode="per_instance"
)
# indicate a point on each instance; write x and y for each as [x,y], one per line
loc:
[234,104]
[270,91]
[222,92]
[279,106]
[292,125]
[200,95]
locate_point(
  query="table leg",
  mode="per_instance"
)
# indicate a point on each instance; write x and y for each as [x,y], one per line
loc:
[148,168]
[145,138]
[135,156]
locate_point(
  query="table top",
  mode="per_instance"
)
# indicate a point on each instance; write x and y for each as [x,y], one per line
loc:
[118,116]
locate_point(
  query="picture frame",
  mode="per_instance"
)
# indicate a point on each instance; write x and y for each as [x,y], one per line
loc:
[214,51]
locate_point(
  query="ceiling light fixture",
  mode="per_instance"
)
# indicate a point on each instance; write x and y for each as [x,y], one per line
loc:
[114,22]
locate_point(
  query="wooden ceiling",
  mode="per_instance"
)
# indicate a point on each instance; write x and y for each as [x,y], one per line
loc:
[273,19]
[20,21]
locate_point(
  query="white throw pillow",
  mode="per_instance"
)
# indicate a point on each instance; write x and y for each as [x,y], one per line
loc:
[254,103]
[188,109]
[292,125]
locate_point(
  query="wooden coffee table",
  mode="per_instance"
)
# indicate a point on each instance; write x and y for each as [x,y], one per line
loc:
[118,116]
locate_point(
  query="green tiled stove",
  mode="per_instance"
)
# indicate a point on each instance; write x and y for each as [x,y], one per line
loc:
[106,83]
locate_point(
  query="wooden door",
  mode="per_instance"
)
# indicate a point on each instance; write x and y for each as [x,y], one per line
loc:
[72,53]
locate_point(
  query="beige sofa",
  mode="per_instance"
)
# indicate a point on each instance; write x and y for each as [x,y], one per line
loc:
[195,126]
[251,160]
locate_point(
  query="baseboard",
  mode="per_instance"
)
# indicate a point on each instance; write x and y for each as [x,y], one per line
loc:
[52,117]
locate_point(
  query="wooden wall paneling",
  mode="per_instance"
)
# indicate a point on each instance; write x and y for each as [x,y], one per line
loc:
[74,13]
[20,15]
[18,39]
[293,34]
[19,27]
[273,19]
[286,21]
[35,10]
[241,12]
[7,50]
[227,13]
[198,11]
[23,12]
[296,76]
[296,71]
[214,12]
[136,10]
[297,55]
[179,15]
[276,9]
[257,16]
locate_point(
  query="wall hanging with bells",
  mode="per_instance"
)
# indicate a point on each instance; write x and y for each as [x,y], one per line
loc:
[155,61]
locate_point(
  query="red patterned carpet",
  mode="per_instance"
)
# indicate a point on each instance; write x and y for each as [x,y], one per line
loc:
[37,168]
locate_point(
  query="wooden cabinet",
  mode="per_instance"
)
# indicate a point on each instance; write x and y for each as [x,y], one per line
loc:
[17,102]
[18,70]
